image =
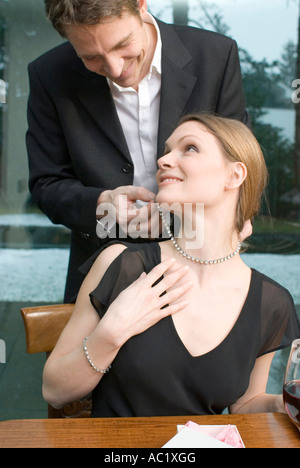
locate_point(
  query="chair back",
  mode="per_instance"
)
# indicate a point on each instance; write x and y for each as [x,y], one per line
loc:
[43,326]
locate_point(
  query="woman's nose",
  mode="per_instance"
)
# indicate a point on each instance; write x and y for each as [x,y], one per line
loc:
[167,161]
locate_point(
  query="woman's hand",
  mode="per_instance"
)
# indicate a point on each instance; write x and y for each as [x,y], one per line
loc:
[143,303]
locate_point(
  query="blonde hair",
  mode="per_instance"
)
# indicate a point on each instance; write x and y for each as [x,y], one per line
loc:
[239,145]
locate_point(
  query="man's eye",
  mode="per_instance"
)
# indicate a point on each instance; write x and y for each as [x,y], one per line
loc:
[90,59]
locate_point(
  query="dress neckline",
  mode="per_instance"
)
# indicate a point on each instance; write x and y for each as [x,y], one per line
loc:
[234,327]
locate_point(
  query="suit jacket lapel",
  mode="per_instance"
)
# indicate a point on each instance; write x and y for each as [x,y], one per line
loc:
[177,84]
[95,95]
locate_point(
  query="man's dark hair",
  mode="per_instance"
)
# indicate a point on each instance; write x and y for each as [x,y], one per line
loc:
[63,13]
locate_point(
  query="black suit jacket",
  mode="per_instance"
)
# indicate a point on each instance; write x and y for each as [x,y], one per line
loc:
[76,146]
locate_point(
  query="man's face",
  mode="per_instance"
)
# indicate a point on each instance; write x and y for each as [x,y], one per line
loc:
[120,49]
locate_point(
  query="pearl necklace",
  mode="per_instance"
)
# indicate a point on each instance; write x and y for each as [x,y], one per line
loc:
[188,256]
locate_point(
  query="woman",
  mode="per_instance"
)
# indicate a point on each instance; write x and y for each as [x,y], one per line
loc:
[173,329]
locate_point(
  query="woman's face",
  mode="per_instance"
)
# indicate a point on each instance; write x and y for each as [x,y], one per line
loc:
[194,168]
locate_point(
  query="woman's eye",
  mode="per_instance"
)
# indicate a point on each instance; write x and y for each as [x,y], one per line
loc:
[191,148]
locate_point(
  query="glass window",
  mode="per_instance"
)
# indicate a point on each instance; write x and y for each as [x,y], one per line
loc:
[24,35]
[34,253]
[268,61]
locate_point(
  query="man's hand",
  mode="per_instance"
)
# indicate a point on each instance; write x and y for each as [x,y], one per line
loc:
[124,205]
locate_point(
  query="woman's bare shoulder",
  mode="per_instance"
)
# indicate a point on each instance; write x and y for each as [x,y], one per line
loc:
[106,258]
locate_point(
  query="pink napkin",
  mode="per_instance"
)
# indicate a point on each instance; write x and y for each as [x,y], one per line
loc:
[228,434]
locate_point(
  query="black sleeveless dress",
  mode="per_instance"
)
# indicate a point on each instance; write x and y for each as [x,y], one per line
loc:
[155,375]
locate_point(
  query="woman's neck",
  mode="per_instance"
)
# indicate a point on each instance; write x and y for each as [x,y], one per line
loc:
[207,236]
[208,233]
[213,242]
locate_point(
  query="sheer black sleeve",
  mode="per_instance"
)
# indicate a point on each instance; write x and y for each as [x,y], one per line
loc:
[123,271]
[279,322]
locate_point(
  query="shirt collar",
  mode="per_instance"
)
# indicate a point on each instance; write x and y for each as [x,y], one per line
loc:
[156,61]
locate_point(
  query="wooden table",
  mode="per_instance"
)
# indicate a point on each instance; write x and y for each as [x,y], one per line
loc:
[257,431]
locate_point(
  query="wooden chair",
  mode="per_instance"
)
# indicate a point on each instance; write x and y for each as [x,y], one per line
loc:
[43,326]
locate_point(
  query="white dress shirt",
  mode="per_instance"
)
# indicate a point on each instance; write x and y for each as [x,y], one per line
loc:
[138,112]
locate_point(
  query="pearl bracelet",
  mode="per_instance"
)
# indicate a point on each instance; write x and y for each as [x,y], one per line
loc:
[101,371]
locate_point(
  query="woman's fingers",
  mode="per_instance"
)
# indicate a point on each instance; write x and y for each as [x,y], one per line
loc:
[170,297]
[165,292]
[174,308]
[161,288]
[170,280]
[160,270]
[151,278]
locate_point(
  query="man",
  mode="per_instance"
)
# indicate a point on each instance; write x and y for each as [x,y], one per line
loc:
[102,105]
